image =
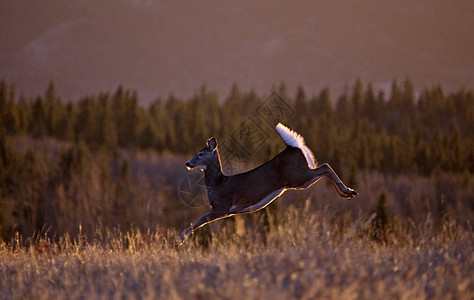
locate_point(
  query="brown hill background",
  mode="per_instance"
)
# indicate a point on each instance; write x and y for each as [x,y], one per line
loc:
[158,47]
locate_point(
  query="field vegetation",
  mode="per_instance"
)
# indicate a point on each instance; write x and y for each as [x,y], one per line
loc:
[91,197]
[310,250]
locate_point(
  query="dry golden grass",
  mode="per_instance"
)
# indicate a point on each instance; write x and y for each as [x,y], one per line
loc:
[303,256]
[418,243]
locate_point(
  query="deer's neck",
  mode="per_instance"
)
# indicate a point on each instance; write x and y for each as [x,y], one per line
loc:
[213,173]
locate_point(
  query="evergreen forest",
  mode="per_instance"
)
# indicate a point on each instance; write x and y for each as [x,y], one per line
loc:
[74,166]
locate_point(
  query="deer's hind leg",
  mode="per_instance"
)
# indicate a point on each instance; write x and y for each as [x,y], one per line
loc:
[260,204]
[326,170]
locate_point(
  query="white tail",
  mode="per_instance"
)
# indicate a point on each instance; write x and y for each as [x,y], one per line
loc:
[292,138]
[293,168]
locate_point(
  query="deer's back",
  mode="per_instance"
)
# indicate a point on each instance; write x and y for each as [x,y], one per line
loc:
[288,169]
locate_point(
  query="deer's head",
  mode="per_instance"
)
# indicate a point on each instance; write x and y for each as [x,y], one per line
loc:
[205,157]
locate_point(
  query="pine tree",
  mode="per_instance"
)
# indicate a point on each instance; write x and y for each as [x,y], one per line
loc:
[370,107]
[408,97]
[233,105]
[66,123]
[22,116]
[38,124]
[127,122]
[3,104]
[107,130]
[172,108]
[321,105]
[8,112]
[356,100]
[53,109]
[11,118]
[380,225]
[86,127]
[342,110]
[301,108]
[157,124]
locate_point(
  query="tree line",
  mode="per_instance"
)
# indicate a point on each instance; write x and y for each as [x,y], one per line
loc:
[364,129]
[83,176]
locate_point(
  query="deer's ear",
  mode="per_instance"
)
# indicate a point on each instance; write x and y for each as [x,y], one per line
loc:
[212,143]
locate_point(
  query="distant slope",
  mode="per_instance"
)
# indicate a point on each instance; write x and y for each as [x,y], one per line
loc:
[159,48]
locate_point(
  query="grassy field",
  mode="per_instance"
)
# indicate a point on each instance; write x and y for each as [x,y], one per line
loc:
[403,237]
[93,195]
[305,255]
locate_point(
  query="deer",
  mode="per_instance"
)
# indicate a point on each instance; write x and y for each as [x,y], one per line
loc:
[294,168]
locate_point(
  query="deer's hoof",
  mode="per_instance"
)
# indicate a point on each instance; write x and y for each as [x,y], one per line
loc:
[351,194]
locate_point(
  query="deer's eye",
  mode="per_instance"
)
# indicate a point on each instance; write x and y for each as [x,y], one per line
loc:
[200,154]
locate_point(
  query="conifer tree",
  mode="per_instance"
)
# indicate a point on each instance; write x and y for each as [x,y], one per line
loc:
[22,116]
[86,128]
[3,103]
[38,124]
[66,123]
[356,100]
[107,129]
[370,107]
[53,109]
[157,124]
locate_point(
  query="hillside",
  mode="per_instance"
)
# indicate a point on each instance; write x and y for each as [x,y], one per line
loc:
[158,47]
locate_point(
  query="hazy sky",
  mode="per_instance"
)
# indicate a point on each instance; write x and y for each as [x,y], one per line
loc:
[162,47]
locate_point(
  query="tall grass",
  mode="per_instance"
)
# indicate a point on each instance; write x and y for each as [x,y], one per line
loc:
[403,237]
[304,256]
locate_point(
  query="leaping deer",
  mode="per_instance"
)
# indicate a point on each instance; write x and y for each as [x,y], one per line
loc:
[293,168]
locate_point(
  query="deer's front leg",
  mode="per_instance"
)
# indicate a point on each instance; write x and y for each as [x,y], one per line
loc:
[201,221]
[342,190]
